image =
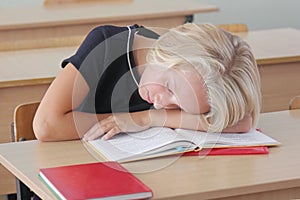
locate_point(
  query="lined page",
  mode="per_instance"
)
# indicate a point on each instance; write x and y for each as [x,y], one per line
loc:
[126,145]
[251,138]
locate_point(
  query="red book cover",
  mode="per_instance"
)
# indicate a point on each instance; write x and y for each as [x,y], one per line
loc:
[94,180]
[229,151]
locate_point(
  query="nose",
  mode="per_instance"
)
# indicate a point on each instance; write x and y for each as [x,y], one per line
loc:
[163,100]
[157,101]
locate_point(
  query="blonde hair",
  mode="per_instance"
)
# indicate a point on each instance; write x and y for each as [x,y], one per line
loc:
[226,64]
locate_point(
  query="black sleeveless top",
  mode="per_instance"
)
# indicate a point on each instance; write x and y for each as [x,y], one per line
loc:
[102,61]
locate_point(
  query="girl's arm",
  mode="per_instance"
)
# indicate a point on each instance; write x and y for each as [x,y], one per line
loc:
[55,119]
[181,119]
[131,122]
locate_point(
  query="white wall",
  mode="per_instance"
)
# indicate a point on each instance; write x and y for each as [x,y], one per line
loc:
[257,14]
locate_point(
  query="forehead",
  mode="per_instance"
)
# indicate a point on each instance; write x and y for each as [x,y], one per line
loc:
[189,88]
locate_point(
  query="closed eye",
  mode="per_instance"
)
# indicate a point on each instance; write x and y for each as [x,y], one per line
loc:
[168,87]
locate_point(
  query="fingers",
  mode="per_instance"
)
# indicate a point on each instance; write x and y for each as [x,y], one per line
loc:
[106,128]
[112,132]
[93,133]
[111,126]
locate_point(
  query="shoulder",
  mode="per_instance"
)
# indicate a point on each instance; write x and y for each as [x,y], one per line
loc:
[93,39]
[100,34]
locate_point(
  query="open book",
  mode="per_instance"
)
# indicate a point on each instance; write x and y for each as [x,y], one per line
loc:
[161,141]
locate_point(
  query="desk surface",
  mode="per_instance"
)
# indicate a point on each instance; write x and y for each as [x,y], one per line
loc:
[186,177]
[22,67]
[274,46]
[29,66]
[20,15]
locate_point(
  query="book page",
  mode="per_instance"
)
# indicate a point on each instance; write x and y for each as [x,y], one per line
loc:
[126,145]
[161,141]
[143,141]
[251,138]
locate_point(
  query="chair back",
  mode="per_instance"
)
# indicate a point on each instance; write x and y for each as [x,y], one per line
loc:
[295,103]
[23,118]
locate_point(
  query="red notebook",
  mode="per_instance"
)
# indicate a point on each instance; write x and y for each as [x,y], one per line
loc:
[229,151]
[94,180]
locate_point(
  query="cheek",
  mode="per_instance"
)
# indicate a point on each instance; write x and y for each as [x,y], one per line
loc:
[151,90]
[143,92]
[155,88]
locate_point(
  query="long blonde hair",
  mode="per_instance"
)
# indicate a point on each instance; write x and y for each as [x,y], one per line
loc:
[226,64]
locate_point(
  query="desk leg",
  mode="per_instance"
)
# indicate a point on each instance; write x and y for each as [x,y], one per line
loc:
[12,131]
[189,18]
[11,197]
[23,192]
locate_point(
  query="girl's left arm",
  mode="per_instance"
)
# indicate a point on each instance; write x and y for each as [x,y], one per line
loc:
[138,121]
[181,119]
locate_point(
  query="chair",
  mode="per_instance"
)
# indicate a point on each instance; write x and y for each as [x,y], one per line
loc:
[23,118]
[294,103]
[22,130]
[234,28]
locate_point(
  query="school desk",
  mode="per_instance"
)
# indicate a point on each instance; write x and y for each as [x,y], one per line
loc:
[35,21]
[271,176]
[277,52]
[24,77]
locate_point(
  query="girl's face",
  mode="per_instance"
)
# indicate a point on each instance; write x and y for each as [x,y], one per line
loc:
[173,89]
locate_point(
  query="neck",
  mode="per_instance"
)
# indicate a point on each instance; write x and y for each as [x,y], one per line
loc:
[141,46]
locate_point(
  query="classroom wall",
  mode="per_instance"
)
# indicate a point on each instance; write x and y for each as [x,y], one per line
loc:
[257,14]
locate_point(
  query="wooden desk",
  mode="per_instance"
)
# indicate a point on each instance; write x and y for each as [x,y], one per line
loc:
[273,176]
[278,54]
[24,77]
[35,21]
[27,80]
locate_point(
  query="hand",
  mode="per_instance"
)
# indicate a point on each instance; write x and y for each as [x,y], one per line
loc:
[243,125]
[117,123]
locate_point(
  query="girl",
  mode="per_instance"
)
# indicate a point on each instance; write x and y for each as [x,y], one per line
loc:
[127,79]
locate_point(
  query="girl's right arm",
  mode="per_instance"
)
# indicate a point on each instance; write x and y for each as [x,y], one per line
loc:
[57,118]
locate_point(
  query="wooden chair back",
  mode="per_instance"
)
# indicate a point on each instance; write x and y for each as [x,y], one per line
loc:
[234,28]
[295,103]
[23,118]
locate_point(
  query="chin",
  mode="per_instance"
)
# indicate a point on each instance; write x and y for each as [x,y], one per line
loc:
[142,94]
